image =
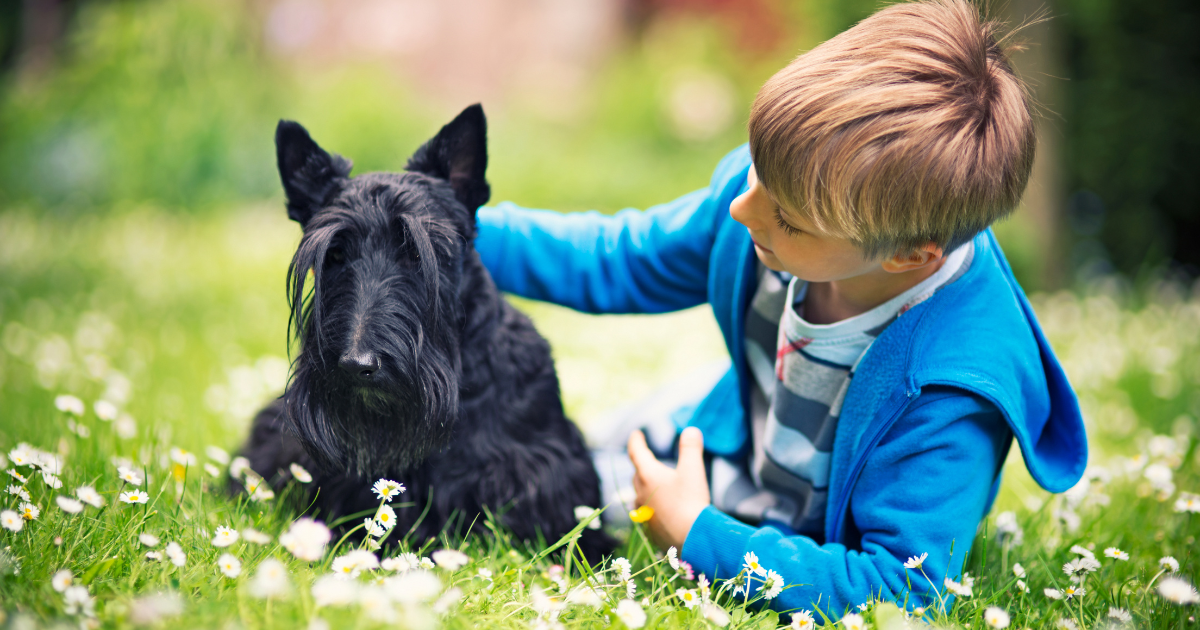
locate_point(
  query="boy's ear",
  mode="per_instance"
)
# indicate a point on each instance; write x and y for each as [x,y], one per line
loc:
[310,175]
[915,259]
[458,153]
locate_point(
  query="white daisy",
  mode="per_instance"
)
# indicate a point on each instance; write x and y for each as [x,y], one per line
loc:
[299,473]
[77,601]
[150,540]
[67,403]
[182,457]
[751,564]
[1113,552]
[386,516]
[88,495]
[229,565]
[333,590]
[1019,570]
[20,456]
[772,585]
[1177,590]
[715,614]
[1066,624]
[252,535]
[62,580]
[631,614]
[238,467]
[688,596]
[270,580]
[217,454]
[1082,551]
[853,621]
[583,512]
[225,536]
[69,505]
[18,491]
[386,489]
[29,511]
[129,475]
[154,555]
[450,559]
[915,562]
[1021,586]
[996,617]
[52,480]
[175,554]
[1074,590]
[412,587]
[374,601]
[673,558]
[1081,566]
[585,596]
[1120,614]
[306,539]
[16,475]
[1053,593]
[1187,502]
[484,574]
[373,527]
[134,496]
[802,620]
[105,410]
[401,563]
[961,589]
[1169,563]
[212,470]
[426,563]
[623,567]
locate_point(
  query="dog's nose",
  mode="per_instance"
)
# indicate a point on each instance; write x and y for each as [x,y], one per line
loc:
[363,366]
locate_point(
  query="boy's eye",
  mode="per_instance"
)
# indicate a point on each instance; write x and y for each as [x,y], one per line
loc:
[788,228]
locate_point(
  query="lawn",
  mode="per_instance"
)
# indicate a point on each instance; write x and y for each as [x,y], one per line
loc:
[178,324]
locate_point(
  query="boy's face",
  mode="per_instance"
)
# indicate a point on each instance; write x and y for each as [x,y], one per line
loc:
[786,241]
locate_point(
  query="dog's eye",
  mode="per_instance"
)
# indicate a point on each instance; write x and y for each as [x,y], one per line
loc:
[335,256]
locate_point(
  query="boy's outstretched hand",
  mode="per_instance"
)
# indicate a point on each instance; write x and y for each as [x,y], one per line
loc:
[679,494]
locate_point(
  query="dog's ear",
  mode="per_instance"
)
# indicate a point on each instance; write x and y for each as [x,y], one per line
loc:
[458,153]
[310,175]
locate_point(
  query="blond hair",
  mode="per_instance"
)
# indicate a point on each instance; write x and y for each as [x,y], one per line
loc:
[908,128]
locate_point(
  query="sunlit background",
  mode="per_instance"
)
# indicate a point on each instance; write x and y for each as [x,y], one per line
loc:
[143,240]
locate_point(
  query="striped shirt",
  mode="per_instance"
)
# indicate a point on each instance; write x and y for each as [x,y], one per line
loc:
[801,373]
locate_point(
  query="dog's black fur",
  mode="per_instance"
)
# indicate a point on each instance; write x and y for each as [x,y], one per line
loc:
[411,364]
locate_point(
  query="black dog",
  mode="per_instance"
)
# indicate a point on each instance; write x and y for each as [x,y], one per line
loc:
[411,364]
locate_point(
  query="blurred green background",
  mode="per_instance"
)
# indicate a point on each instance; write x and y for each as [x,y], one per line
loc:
[143,241]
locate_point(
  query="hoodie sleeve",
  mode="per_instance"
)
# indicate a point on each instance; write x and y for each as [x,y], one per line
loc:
[923,489]
[635,261]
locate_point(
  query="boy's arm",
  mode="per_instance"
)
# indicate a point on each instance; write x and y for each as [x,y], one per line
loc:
[632,262]
[923,490]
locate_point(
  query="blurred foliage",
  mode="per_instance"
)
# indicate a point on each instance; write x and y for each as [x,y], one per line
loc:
[1133,136]
[174,104]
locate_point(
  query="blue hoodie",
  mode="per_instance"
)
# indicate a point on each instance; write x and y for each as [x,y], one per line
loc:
[925,425]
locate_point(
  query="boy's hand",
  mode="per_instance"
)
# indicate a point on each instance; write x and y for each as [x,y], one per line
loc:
[679,494]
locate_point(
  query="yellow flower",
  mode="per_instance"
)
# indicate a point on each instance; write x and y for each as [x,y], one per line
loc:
[642,514]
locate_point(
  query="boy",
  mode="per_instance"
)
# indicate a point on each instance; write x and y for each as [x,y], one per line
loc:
[883,354]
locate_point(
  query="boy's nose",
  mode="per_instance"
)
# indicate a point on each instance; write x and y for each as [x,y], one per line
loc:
[742,211]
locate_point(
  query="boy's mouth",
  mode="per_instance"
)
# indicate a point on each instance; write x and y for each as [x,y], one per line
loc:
[759,245]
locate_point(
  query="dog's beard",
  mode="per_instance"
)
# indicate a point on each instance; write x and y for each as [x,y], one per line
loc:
[370,430]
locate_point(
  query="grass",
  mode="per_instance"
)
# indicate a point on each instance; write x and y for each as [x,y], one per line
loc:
[180,321]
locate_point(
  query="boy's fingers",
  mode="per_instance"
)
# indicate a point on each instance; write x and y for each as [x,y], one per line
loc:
[643,459]
[691,451]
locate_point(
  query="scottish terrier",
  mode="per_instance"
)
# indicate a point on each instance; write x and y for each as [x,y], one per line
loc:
[411,365]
